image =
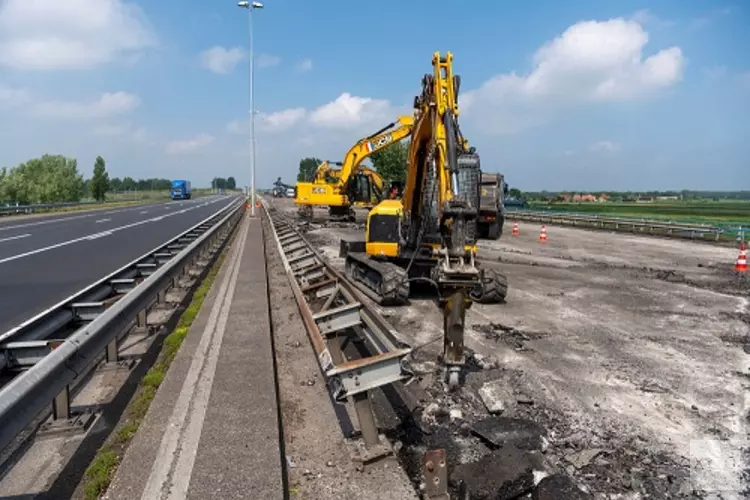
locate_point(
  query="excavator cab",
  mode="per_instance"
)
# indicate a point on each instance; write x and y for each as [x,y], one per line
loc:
[361,189]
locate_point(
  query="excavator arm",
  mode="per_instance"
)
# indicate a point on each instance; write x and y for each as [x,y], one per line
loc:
[338,188]
[430,234]
[386,136]
[441,201]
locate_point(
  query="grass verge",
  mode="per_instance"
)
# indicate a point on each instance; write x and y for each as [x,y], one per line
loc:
[709,212]
[100,472]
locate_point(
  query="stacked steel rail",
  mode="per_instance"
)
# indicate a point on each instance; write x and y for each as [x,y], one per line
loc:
[336,315]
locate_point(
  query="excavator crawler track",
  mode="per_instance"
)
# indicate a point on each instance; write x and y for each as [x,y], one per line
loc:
[382,281]
[492,290]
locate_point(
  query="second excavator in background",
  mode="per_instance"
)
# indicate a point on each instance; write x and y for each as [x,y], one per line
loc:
[430,234]
[353,184]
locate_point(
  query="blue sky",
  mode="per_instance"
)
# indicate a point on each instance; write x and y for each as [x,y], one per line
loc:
[582,95]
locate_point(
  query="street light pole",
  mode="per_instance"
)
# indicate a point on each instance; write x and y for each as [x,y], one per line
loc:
[251,6]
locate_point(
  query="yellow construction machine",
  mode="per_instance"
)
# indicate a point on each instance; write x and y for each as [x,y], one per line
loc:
[430,234]
[353,184]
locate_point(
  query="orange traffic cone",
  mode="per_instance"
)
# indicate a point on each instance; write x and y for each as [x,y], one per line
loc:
[516,232]
[741,265]
[543,235]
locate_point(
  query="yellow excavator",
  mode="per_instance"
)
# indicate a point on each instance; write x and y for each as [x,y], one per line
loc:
[353,184]
[430,234]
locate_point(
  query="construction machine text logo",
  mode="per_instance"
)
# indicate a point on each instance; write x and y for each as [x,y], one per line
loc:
[379,142]
[319,190]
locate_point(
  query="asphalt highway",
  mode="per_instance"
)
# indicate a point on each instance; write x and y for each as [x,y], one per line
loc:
[45,260]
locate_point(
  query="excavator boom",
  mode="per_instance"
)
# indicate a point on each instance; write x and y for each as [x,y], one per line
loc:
[339,189]
[430,235]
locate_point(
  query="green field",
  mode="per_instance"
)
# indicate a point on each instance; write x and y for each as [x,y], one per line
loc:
[708,212]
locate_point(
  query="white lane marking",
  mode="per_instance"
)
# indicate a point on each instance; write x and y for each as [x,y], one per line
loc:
[173,465]
[65,219]
[76,240]
[145,212]
[15,237]
[103,220]
[99,235]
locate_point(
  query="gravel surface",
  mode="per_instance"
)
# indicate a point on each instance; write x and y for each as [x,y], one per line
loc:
[630,351]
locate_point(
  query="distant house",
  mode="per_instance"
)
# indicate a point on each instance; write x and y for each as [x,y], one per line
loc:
[565,197]
[667,198]
[604,197]
[644,199]
[583,198]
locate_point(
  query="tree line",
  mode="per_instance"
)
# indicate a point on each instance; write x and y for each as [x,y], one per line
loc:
[57,179]
[222,183]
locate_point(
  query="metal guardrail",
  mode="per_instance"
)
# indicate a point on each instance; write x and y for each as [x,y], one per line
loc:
[107,310]
[27,209]
[336,314]
[636,225]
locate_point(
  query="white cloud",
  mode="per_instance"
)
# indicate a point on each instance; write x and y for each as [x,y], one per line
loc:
[70,34]
[348,110]
[285,119]
[646,17]
[221,60]
[305,65]
[272,122]
[108,104]
[590,62]
[267,60]
[605,146]
[189,145]
[345,112]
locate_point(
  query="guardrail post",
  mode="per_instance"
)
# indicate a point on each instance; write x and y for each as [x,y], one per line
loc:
[113,355]
[141,319]
[61,405]
[362,405]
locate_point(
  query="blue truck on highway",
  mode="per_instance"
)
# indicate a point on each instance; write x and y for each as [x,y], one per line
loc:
[181,190]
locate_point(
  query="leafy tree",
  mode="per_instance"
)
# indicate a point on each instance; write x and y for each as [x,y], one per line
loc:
[100,180]
[515,193]
[129,184]
[231,183]
[219,183]
[392,161]
[49,179]
[307,167]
